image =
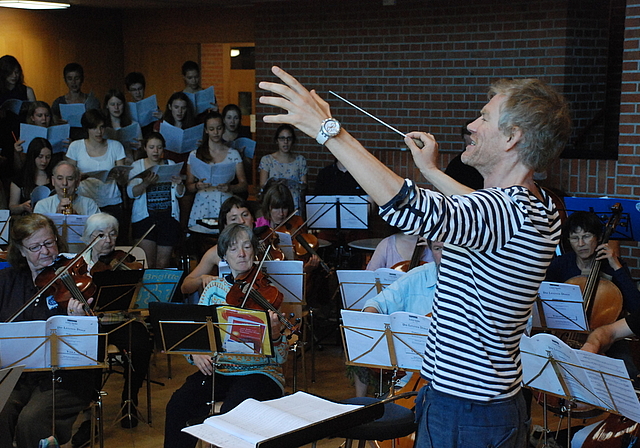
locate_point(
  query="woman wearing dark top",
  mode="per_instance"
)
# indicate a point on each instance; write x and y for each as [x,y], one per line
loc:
[36,172]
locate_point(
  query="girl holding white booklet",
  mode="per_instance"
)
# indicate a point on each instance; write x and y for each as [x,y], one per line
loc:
[155,203]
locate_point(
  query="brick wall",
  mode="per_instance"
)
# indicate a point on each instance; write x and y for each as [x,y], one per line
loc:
[428,68]
[212,72]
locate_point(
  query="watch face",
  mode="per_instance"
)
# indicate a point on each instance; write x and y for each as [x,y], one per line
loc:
[332,127]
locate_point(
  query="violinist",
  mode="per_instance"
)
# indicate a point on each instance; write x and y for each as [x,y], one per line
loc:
[397,248]
[65,180]
[234,210]
[26,418]
[238,377]
[105,226]
[277,205]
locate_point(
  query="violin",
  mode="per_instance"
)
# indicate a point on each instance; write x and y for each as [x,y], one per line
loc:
[303,243]
[259,294]
[268,241]
[65,279]
[416,259]
[118,260]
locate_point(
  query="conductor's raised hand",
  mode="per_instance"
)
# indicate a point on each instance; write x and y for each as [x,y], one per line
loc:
[306,110]
[426,158]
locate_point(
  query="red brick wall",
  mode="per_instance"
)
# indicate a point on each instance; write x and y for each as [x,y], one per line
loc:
[428,67]
[212,69]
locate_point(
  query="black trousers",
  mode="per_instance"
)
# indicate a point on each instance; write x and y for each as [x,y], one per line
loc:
[191,401]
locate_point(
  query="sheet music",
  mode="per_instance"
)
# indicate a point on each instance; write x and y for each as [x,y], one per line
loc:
[143,110]
[288,277]
[286,245]
[278,416]
[583,385]
[366,341]
[25,343]
[181,141]
[245,146]
[8,379]
[164,172]
[158,285]
[4,226]
[56,135]
[202,100]
[70,225]
[72,113]
[563,307]
[125,135]
[216,174]
[13,105]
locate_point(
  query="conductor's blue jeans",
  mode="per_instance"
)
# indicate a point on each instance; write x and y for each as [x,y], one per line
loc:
[446,421]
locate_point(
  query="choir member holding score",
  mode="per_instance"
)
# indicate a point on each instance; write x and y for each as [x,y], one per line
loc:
[503,233]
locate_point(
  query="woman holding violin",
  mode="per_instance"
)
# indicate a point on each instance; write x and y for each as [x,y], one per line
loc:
[101,257]
[238,377]
[26,419]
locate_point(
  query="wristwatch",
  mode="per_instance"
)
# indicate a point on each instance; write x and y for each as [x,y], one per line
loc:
[330,128]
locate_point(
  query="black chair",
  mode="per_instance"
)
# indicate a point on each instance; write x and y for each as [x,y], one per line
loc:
[397,421]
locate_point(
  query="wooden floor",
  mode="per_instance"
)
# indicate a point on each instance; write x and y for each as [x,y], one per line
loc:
[330,383]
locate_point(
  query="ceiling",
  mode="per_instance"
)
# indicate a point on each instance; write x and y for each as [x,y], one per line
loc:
[133,4]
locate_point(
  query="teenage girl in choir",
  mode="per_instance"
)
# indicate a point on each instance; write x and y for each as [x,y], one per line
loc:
[38,114]
[234,210]
[191,77]
[237,377]
[233,128]
[36,172]
[285,164]
[96,153]
[118,115]
[208,197]
[155,203]
[74,78]
[12,86]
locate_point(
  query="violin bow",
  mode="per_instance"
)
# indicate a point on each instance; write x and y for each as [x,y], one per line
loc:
[253,281]
[133,247]
[62,272]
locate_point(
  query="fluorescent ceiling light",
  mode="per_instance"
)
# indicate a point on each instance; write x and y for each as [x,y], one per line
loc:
[31,4]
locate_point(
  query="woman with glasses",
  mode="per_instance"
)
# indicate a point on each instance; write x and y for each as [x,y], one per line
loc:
[583,231]
[26,418]
[285,164]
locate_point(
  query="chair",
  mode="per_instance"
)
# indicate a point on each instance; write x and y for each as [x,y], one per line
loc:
[396,422]
[137,252]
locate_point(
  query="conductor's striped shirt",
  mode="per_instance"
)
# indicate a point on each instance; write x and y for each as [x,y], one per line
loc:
[500,242]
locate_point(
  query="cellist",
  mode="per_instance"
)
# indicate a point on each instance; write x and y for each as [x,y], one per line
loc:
[583,231]
[237,376]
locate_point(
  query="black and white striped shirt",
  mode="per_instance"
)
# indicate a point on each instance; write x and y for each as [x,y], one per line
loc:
[500,242]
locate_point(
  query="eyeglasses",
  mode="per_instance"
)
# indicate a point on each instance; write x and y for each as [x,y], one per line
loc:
[37,247]
[285,139]
[586,238]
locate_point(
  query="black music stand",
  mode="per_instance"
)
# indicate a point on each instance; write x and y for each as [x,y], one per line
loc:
[116,290]
[629,226]
[206,330]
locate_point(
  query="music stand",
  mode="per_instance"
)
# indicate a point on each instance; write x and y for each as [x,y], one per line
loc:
[116,290]
[157,285]
[358,286]
[8,379]
[5,216]
[59,343]
[559,306]
[629,226]
[337,212]
[393,342]
[70,227]
[211,330]
[551,366]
